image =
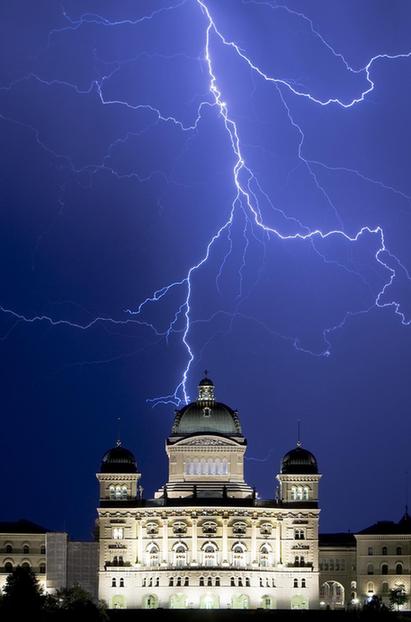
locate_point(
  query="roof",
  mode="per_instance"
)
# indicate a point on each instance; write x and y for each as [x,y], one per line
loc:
[300,461]
[118,460]
[336,540]
[211,417]
[389,527]
[21,526]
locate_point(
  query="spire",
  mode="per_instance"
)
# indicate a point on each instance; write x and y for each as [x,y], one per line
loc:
[118,441]
[299,443]
[206,389]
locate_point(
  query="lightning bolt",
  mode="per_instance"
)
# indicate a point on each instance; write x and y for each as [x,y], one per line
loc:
[248,192]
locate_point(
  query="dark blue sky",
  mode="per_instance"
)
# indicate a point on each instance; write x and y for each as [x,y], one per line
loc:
[130,163]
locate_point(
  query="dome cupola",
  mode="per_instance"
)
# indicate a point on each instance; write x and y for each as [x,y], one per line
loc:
[299,461]
[118,460]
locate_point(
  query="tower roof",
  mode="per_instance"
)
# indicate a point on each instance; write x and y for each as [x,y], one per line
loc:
[299,461]
[118,459]
[205,415]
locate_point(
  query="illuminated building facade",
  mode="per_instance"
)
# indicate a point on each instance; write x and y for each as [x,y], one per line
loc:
[206,540]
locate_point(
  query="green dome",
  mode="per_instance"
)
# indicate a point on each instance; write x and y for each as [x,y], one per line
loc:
[202,417]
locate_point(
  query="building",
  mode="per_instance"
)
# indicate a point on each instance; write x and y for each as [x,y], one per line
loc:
[206,540]
[57,562]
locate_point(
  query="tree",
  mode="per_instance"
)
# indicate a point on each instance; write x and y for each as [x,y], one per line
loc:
[398,596]
[76,601]
[22,593]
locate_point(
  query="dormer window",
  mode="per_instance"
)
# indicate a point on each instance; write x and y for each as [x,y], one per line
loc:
[207,411]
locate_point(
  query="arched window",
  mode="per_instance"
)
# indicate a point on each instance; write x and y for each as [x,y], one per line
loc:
[8,567]
[239,551]
[171,582]
[209,554]
[384,550]
[43,549]
[209,582]
[232,582]
[384,569]
[9,549]
[152,555]
[265,556]
[186,582]
[217,582]
[118,492]
[240,582]
[150,602]
[180,555]
[306,493]
[178,584]
[295,583]
[25,565]
[113,583]
[303,583]
[201,581]
[42,568]
[121,582]
[398,569]
[247,582]
[370,587]
[370,569]
[398,550]
[26,549]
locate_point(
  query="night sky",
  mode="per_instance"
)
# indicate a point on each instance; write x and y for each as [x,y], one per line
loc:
[191,184]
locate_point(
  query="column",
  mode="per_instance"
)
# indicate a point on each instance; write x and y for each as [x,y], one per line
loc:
[278,535]
[139,542]
[194,544]
[225,542]
[165,542]
[253,559]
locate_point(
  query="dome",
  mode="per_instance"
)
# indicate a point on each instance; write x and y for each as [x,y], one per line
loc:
[299,461]
[214,418]
[118,460]
[206,382]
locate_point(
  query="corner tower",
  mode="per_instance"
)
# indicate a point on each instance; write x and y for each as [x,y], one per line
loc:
[206,450]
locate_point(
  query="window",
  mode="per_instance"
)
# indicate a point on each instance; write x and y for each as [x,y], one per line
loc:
[209,554]
[295,584]
[232,582]
[264,556]
[370,569]
[209,582]
[152,529]
[118,492]
[398,550]
[178,584]
[266,529]
[144,582]
[398,569]
[370,550]
[25,565]
[42,568]
[240,582]
[239,555]
[152,555]
[118,533]
[26,549]
[385,587]
[217,582]
[201,581]
[206,467]
[186,582]
[384,550]
[171,582]
[113,583]
[9,548]
[299,534]
[121,582]
[43,549]
[180,556]
[247,582]
[240,528]
[370,587]
[384,569]
[303,583]
[209,527]
[299,560]
[179,527]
